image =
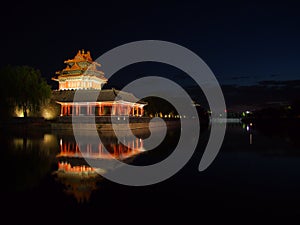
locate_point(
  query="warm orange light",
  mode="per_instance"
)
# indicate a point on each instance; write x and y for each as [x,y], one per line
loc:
[80,73]
[64,166]
[48,113]
[118,151]
[19,112]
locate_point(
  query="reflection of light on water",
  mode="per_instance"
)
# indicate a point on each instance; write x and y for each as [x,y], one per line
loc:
[247,128]
[46,143]
[81,180]
[49,138]
[78,170]
[18,142]
[98,151]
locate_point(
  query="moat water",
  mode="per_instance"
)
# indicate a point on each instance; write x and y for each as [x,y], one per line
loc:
[254,178]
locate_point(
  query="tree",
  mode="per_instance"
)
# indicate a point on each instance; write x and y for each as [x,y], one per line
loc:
[295,108]
[23,87]
[158,105]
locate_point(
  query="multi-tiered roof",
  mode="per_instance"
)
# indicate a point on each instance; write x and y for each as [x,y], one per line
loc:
[81,72]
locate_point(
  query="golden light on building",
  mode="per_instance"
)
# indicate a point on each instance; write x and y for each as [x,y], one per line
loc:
[82,73]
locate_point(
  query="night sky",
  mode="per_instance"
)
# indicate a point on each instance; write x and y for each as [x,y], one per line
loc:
[252,48]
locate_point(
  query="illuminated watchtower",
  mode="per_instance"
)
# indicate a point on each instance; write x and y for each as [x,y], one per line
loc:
[80,73]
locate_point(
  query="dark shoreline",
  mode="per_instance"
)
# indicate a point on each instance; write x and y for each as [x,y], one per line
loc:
[34,124]
[281,122]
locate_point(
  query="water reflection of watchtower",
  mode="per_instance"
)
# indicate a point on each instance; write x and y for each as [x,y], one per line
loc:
[71,148]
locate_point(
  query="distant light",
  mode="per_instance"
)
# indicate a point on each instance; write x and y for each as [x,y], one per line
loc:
[250,124]
[248,128]
[247,112]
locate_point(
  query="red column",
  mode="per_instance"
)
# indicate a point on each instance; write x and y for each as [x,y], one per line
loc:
[137,143]
[87,110]
[61,145]
[101,110]
[141,143]
[118,110]
[100,149]
[115,109]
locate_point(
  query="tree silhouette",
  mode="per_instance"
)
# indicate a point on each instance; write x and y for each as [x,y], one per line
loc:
[23,87]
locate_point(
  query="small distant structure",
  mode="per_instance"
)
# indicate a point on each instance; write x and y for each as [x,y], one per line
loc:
[82,73]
